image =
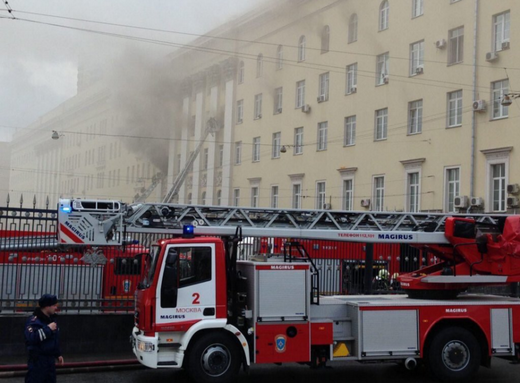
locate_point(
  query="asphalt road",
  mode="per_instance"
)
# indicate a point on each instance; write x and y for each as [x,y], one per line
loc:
[501,372]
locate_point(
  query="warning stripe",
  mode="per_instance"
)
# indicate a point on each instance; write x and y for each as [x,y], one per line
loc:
[65,230]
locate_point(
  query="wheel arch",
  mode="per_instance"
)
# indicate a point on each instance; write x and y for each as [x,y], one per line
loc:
[229,331]
[465,323]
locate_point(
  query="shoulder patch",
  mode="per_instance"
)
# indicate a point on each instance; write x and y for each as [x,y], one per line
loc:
[34,318]
[29,328]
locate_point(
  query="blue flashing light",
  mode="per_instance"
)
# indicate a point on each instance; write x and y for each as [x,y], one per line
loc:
[188,231]
[66,209]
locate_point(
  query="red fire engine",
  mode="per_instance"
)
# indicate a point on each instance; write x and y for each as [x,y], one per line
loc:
[200,309]
[87,277]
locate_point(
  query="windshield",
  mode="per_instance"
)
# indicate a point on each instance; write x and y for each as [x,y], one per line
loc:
[151,265]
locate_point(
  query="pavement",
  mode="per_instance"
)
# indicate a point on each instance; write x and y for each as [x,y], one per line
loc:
[12,366]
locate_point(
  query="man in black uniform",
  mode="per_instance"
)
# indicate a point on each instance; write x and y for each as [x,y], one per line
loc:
[43,342]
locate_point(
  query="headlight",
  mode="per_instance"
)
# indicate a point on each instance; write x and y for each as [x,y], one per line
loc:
[145,346]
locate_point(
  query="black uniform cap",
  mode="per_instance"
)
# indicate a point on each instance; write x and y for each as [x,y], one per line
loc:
[47,300]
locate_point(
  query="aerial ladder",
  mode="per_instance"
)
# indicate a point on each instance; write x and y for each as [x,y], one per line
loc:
[475,249]
[212,127]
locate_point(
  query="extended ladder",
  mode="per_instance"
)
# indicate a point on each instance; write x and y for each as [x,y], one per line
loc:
[106,222]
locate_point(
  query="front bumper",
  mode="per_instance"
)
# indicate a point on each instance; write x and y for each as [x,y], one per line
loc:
[148,352]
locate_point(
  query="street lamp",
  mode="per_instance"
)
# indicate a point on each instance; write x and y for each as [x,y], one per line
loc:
[56,135]
[508,98]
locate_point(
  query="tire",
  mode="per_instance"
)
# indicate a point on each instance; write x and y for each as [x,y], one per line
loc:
[214,358]
[454,354]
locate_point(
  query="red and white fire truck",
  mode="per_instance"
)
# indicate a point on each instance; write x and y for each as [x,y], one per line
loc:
[87,277]
[200,309]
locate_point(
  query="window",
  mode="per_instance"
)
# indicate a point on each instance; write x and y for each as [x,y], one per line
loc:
[325,39]
[500,31]
[274,196]
[320,195]
[415,117]
[452,188]
[298,141]
[240,111]
[256,149]
[301,48]
[205,159]
[300,93]
[499,89]
[203,198]
[278,100]
[352,28]
[279,57]
[259,65]
[456,46]
[498,186]
[324,87]
[413,192]
[381,125]
[455,108]
[350,131]
[258,106]
[322,135]
[276,144]
[241,71]
[417,8]
[416,58]
[219,197]
[379,193]
[220,155]
[384,9]
[254,196]
[238,153]
[348,194]
[189,199]
[297,196]
[382,69]
[236,197]
[351,79]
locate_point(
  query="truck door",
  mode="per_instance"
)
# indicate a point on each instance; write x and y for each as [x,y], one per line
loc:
[187,284]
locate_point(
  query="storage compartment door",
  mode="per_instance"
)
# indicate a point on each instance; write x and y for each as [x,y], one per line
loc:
[501,342]
[389,333]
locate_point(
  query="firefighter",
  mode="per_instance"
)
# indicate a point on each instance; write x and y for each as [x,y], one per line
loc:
[42,341]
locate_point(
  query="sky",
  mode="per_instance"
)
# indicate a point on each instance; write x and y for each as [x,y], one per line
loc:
[38,61]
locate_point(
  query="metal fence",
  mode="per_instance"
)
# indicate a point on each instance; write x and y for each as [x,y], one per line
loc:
[103,280]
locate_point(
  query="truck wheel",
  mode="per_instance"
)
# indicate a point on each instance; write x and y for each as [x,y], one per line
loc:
[214,358]
[454,354]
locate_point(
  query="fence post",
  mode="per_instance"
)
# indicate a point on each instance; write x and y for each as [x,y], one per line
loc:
[369,261]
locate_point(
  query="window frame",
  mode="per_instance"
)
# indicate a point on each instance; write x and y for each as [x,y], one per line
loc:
[382,68]
[259,65]
[324,82]
[325,39]
[378,192]
[381,115]
[496,96]
[384,12]
[276,142]
[353,29]
[505,32]
[279,57]
[256,149]
[238,152]
[241,72]
[457,109]
[278,100]
[351,82]
[416,57]
[348,194]
[300,94]
[321,142]
[455,46]
[415,4]
[413,191]
[298,141]
[321,194]
[350,131]
[258,106]
[302,41]
[415,107]
[449,196]
[275,190]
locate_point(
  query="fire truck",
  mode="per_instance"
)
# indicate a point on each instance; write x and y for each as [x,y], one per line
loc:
[87,277]
[201,309]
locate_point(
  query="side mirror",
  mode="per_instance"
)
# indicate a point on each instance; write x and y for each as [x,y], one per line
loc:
[482,244]
[171,258]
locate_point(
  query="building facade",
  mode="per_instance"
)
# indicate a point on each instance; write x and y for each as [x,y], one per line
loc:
[380,105]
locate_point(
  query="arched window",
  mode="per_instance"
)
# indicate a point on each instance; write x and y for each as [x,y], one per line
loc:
[259,65]
[325,39]
[301,49]
[352,28]
[384,9]
[279,57]
[241,70]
